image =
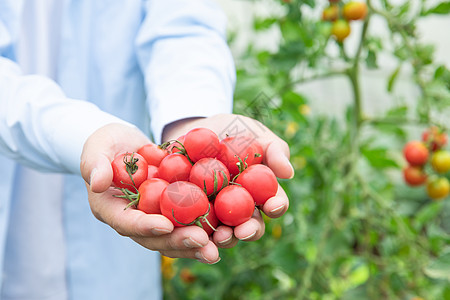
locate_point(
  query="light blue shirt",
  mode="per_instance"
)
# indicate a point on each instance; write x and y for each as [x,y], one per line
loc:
[148,63]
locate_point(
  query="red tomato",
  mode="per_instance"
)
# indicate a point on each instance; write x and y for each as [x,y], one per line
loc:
[260,182]
[152,172]
[175,167]
[234,205]
[129,169]
[176,146]
[200,143]
[234,147]
[210,175]
[416,153]
[153,154]
[414,176]
[435,138]
[183,203]
[150,195]
[212,222]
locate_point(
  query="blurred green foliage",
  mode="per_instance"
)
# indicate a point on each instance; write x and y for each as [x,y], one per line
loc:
[354,230]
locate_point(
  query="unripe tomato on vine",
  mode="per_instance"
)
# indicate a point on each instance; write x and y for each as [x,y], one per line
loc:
[440,161]
[340,30]
[330,13]
[438,188]
[354,11]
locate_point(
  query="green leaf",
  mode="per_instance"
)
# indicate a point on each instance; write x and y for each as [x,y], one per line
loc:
[264,24]
[439,268]
[379,158]
[441,9]
[393,79]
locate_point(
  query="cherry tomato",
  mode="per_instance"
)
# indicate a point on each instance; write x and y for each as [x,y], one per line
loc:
[129,169]
[152,172]
[150,195]
[233,148]
[183,203]
[414,176]
[260,182]
[340,30]
[354,10]
[176,146]
[210,174]
[200,143]
[330,13]
[234,205]
[210,223]
[438,188]
[440,161]
[175,167]
[416,153]
[435,138]
[153,154]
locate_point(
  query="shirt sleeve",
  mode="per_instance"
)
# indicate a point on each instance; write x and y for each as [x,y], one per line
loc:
[39,126]
[187,64]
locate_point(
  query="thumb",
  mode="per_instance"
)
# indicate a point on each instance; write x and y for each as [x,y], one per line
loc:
[100,149]
[277,158]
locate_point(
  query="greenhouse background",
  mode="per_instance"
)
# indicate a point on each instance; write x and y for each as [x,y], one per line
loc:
[354,229]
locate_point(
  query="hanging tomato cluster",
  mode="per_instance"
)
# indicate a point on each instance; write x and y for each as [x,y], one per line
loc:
[341,14]
[428,163]
[197,179]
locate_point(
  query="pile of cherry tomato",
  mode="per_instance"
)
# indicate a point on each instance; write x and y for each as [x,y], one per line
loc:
[197,179]
[428,163]
[341,14]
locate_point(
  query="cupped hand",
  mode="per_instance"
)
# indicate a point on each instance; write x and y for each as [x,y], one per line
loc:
[154,232]
[276,156]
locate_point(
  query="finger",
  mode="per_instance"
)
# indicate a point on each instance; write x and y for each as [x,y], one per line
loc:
[182,238]
[251,230]
[127,222]
[208,254]
[100,149]
[224,238]
[276,206]
[277,158]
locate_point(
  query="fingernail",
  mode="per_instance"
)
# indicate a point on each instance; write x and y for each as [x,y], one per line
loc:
[202,259]
[225,242]
[91,177]
[292,168]
[248,236]
[277,210]
[190,243]
[160,231]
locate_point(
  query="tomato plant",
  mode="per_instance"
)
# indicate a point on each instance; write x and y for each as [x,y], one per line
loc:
[129,170]
[435,138]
